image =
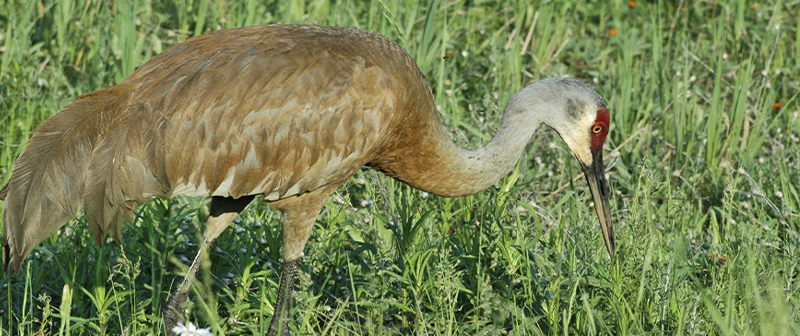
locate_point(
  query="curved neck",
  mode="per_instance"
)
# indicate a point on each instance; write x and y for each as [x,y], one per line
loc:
[438,166]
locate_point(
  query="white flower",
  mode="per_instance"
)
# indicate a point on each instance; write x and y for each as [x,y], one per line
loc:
[190,330]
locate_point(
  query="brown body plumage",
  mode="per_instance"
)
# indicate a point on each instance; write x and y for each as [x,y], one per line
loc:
[287,112]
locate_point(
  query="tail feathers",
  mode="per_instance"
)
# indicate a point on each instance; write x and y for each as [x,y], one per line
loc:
[46,185]
[116,180]
[102,195]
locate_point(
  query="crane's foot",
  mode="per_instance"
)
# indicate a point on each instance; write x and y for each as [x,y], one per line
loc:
[175,310]
[280,320]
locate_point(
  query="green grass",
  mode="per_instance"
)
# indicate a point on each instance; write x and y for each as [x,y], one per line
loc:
[702,165]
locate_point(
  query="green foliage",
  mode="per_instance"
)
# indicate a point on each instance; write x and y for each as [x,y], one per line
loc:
[702,162]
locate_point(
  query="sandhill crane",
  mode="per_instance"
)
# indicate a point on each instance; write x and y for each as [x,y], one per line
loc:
[287,112]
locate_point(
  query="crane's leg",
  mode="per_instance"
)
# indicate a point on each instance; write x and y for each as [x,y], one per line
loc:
[222,212]
[280,320]
[299,215]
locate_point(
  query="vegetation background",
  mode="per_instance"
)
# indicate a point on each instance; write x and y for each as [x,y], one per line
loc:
[702,157]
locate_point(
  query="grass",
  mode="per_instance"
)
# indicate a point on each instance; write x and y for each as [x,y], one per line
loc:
[703,165]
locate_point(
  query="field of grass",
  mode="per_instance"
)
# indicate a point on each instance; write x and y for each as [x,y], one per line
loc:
[702,158]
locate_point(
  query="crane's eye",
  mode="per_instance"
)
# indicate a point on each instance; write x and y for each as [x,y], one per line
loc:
[597,129]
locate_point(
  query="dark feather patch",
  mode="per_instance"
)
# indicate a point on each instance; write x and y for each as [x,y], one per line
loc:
[4,192]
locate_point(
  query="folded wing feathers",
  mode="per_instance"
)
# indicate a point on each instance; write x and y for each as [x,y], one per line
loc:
[115,178]
[46,185]
[4,192]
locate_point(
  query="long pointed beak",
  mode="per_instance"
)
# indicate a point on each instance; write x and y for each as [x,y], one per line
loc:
[596,177]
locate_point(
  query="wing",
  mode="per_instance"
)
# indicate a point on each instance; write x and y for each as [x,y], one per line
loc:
[277,111]
[45,188]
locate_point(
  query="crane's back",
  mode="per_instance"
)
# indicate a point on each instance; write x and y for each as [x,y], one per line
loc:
[232,108]
[274,110]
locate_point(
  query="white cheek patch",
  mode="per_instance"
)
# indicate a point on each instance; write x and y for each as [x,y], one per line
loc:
[579,139]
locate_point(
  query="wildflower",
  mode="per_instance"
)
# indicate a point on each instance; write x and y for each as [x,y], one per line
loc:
[632,3]
[613,32]
[190,330]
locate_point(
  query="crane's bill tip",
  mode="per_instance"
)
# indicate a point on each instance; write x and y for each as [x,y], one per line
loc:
[611,246]
[596,178]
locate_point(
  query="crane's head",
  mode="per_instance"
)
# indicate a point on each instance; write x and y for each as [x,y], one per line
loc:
[586,142]
[580,117]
